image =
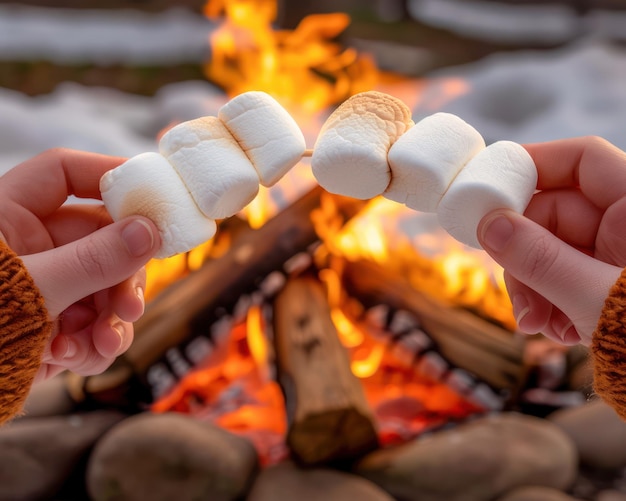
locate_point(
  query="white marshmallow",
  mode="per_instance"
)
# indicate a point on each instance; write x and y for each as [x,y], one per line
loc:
[350,154]
[266,132]
[148,185]
[426,158]
[503,175]
[217,173]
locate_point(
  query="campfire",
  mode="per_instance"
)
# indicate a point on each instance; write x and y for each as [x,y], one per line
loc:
[311,317]
[319,328]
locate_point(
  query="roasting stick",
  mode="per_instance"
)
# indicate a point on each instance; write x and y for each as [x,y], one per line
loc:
[307,153]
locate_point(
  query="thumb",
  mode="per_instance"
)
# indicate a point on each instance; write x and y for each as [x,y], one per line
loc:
[574,282]
[100,260]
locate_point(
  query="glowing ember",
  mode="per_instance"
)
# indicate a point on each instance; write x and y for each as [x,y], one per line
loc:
[232,389]
[406,401]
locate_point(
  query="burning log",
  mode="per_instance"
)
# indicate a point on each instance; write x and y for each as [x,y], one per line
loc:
[190,313]
[330,419]
[466,340]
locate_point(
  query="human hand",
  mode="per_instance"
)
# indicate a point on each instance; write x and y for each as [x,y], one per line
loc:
[567,250]
[88,269]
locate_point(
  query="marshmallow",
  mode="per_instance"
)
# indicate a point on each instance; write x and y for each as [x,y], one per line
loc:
[503,175]
[266,132]
[149,186]
[217,173]
[350,154]
[426,159]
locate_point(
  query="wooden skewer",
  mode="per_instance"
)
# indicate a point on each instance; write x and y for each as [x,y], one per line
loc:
[308,153]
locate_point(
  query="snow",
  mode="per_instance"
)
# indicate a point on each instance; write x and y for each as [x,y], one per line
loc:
[524,96]
[547,23]
[105,36]
[538,96]
[96,119]
[529,23]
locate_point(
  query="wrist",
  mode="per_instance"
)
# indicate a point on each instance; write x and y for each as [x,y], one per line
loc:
[24,331]
[608,348]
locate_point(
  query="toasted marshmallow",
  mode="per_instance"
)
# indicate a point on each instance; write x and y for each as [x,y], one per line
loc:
[148,185]
[350,154]
[266,132]
[426,158]
[217,173]
[503,175]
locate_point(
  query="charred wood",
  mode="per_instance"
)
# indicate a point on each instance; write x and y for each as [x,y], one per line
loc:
[195,309]
[493,354]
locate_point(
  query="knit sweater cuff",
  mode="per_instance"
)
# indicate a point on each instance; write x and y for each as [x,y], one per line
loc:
[24,331]
[608,348]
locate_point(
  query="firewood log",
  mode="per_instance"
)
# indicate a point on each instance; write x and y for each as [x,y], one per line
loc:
[466,340]
[188,308]
[330,419]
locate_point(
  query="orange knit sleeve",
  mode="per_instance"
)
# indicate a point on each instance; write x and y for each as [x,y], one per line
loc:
[608,348]
[24,331]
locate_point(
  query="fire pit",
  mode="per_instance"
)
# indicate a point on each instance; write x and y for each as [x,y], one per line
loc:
[295,360]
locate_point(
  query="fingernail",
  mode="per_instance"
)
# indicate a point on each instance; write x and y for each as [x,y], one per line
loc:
[571,337]
[496,232]
[520,309]
[137,236]
[70,348]
[141,297]
[564,330]
[119,329]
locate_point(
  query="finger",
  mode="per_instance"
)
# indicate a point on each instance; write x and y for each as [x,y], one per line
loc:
[77,317]
[112,336]
[108,337]
[568,214]
[591,163]
[82,358]
[101,260]
[43,183]
[535,314]
[126,300]
[562,330]
[531,310]
[118,307]
[574,282]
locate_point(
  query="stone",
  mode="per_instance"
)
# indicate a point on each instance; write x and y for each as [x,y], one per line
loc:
[169,456]
[537,493]
[286,481]
[597,431]
[476,461]
[611,495]
[38,455]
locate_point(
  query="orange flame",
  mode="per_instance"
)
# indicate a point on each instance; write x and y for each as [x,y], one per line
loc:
[256,339]
[432,261]
[302,68]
